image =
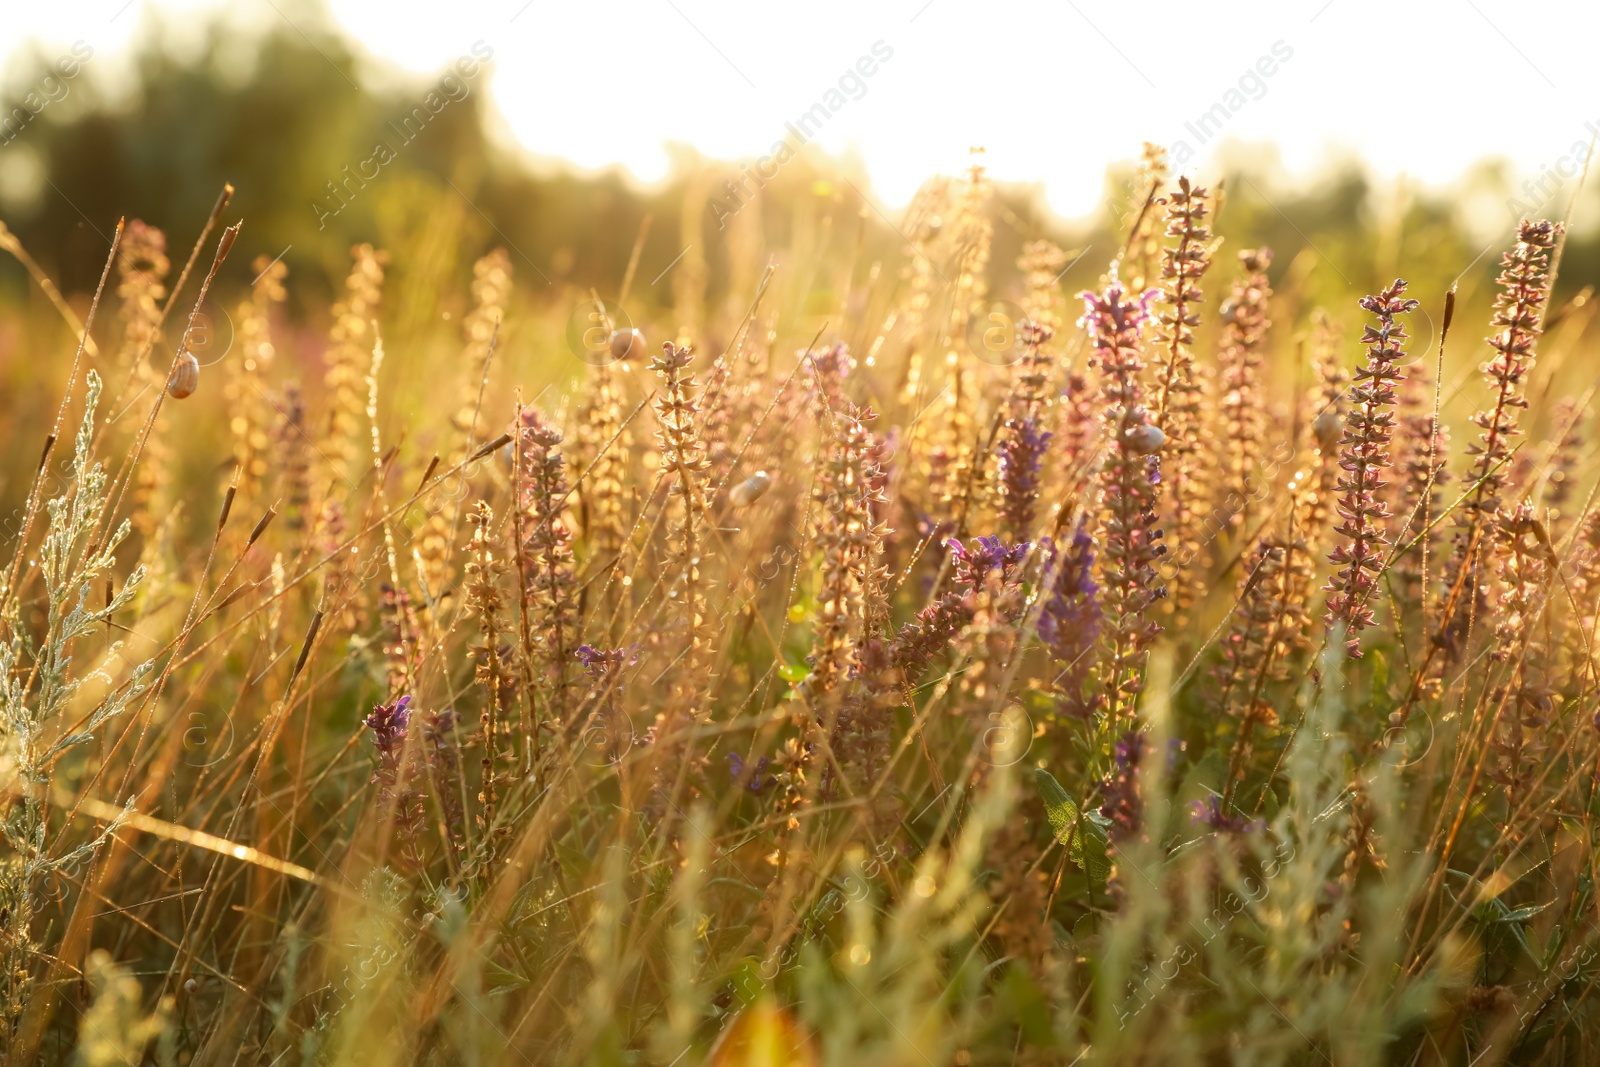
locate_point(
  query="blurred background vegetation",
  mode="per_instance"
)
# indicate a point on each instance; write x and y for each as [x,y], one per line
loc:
[282,114]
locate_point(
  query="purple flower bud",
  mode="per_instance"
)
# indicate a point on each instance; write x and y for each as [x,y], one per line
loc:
[973,564]
[738,769]
[388,724]
[600,665]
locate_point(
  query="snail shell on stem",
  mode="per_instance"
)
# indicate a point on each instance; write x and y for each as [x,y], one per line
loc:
[1145,439]
[1327,429]
[185,377]
[750,490]
[627,344]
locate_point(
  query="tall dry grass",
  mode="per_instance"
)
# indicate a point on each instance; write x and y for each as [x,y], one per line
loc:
[935,688]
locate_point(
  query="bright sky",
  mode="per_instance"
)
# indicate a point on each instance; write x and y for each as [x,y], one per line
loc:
[1054,89]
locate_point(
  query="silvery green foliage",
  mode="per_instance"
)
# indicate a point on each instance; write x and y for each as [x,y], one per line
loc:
[37,686]
[357,1003]
[115,1029]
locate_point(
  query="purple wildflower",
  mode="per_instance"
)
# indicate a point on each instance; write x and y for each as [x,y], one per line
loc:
[388,723]
[397,792]
[749,774]
[1024,438]
[1128,492]
[1364,457]
[1069,622]
[925,636]
[827,370]
[399,641]
[1112,314]
[601,665]
[973,564]
[606,716]
[929,633]
[444,771]
[1020,454]
[1124,806]
[550,589]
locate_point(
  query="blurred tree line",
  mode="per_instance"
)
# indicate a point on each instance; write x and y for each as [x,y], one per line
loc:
[281,130]
[285,114]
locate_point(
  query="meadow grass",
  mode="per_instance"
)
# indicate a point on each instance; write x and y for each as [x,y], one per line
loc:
[1151,676]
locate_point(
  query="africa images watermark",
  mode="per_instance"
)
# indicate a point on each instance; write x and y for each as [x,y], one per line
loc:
[851,85]
[1150,982]
[51,88]
[748,984]
[1538,193]
[1251,85]
[453,87]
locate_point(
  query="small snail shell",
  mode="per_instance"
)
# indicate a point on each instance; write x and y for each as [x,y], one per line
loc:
[750,490]
[1146,439]
[1327,429]
[627,344]
[185,376]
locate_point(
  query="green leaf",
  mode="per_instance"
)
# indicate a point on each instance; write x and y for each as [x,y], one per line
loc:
[575,861]
[497,977]
[793,672]
[1083,832]
[1380,677]
[1269,803]
[1496,912]
[1029,1008]
[1084,936]
[1522,915]
[748,981]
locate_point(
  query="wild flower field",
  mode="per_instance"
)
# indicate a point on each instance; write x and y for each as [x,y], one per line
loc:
[1186,670]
